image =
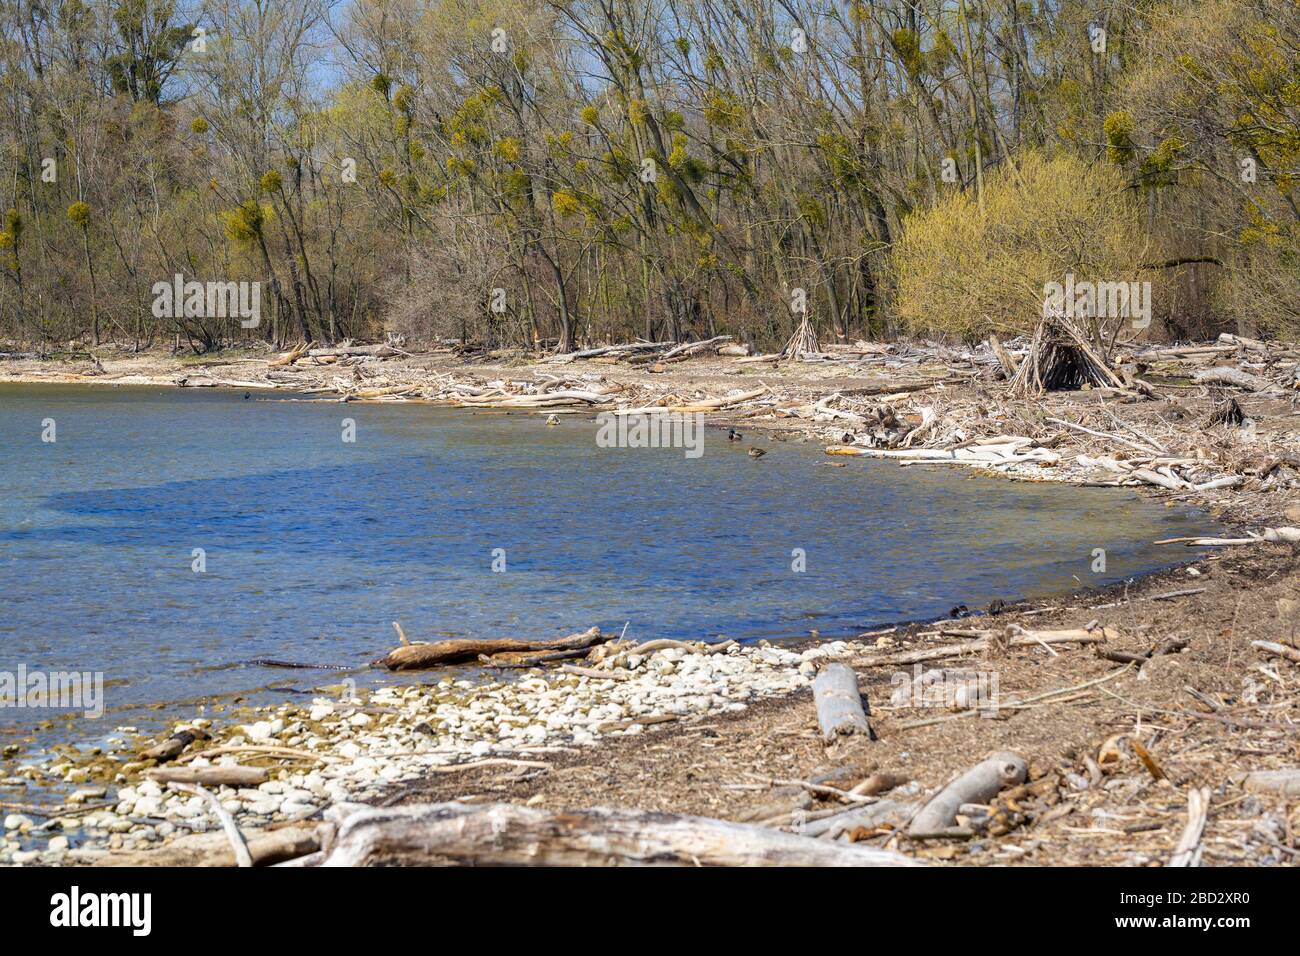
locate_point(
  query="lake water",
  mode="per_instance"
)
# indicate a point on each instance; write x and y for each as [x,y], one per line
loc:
[312,545]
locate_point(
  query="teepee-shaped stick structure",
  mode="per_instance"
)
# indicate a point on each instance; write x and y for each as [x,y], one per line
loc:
[803,342]
[1061,358]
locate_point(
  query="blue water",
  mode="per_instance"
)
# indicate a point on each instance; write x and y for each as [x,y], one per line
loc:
[314,545]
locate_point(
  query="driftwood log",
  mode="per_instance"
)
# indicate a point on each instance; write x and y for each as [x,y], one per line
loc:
[212,849]
[210,776]
[1283,782]
[508,835]
[839,703]
[1231,376]
[436,654]
[980,784]
[893,813]
[172,747]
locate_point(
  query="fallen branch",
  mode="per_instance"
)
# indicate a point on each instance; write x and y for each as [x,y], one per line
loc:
[1277,650]
[979,784]
[508,835]
[1283,782]
[438,653]
[211,776]
[213,849]
[237,844]
[1188,851]
[1075,636]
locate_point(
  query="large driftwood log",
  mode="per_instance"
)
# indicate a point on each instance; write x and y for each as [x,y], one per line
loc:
[508,835]
[417,656]
[213,849]
[839,703]
[980,784]
[210,776]
[1228,375]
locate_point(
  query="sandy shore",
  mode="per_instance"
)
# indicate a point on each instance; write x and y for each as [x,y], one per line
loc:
[1114,747]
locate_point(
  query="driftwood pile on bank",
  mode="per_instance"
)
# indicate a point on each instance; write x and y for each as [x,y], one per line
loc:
[1060,358]
[646,351]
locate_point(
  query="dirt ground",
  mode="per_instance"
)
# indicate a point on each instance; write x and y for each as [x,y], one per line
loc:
[1206,716]
[1113,753]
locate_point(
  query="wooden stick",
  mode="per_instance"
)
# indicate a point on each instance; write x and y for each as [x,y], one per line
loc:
[1188,851]
[489,762]
[1277,650]
[1099,636]
[262,749]
[237,843]
[595,674]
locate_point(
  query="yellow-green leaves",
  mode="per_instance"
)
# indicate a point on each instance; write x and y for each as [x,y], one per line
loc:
[1118,127]
[565,202]
[79,214]
[244,222]
[509,148]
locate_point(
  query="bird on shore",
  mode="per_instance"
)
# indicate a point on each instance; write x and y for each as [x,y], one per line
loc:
[733,435]
[756,453]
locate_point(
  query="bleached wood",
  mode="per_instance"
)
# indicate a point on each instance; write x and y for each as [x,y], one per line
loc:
[510,835]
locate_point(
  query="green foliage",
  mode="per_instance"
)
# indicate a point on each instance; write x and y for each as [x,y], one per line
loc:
[79,214]
[1118,128]
[969,273]
[244,222]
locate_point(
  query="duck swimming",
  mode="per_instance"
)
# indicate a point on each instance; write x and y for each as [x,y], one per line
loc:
[756,453]
[733,435]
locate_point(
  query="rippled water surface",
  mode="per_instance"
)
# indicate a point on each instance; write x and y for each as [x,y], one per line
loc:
[314,545]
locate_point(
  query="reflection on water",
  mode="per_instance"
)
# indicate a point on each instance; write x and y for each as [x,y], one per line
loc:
[313,545]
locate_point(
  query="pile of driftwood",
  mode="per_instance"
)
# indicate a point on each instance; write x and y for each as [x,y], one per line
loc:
[997,453]
[546,396]
[329,355]
[1060,358]
[1234,363]
[647,351]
